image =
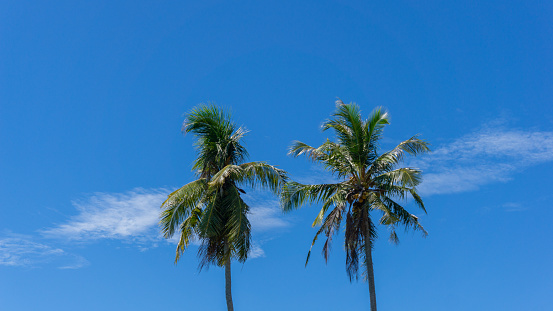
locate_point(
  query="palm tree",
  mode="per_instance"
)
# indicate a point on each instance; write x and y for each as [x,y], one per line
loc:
[210,209]
[367,182]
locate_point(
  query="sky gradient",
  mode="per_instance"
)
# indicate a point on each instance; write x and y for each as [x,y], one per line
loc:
[92,99]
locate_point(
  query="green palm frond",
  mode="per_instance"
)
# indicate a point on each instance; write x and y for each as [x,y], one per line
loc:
[253,174]
[340,160]
[407,219]
[337,199]
[334,157]
[207,122]
[212,221]
[188,228]
[179,203]
[374,127]
[405,177]
[388,160]
[354,238]
[261,174]
[298,148]
[394,239]
[237,225]
[348,127]
[418,199]
[330,226]
[295,194]
[226,174]
[218,139]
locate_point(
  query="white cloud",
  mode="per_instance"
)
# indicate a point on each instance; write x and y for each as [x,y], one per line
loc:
[256,251]
[530,147]
[265,213]
[131,215]
[135,215]
[263,218]
[487,156]
[514,207]
[23,251]
[461,179]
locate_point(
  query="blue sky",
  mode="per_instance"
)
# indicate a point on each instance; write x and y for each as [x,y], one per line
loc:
[92,97]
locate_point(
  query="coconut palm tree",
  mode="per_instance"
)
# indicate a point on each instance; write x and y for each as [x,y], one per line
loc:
[367,183]
[210,208]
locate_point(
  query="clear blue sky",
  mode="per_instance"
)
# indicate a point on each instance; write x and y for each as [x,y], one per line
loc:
[92,97]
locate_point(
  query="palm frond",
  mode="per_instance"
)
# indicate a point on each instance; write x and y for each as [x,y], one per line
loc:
[405,177]
[388,160]
[188,228]
[261,174]
[218,139]
[356,226]
[407,219]
[179,203]
[226,174]
[212,222]
[394,239]
[348,126]
[298,148]
[330,226]
[417,199]
[295,194]
[340,160]
[374,126]
[336,199]
[208,121]
[237,225]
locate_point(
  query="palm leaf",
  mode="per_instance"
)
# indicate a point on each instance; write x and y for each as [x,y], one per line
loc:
[295,194]
[179,203]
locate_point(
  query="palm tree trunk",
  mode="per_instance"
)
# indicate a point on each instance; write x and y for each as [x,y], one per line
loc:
[228,293]
[369,262]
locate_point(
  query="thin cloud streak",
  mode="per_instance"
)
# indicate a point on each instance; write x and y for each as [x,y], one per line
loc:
[131,215]
[265,213]
[514,207]
[135,215]
[484,157]
[24,251]
[256,252]
[491,155]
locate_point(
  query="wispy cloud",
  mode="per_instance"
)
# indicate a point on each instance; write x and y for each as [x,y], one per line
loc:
[256,251]
[18,250]
[265,213]
[133,217]
[514,207]
[128,216]
[490,155]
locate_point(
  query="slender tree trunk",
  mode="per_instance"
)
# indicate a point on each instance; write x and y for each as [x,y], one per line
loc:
[369,263]
[228,293]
